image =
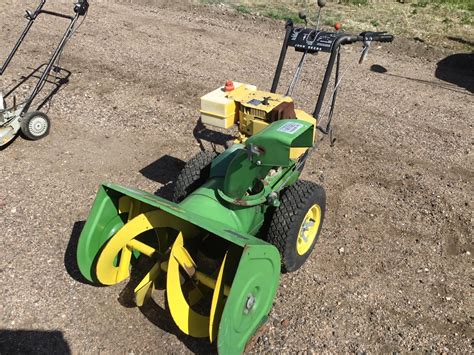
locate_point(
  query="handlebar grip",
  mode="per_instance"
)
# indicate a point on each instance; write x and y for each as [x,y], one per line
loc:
[383,38]
[376,36]
[81,7]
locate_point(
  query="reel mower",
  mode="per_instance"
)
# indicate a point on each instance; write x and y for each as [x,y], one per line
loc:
[16,117]
[237,219]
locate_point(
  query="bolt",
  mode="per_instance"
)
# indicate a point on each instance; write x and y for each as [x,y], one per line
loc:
[249,304]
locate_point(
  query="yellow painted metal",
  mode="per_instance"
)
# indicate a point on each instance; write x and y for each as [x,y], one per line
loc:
[124,204]
[141,247]
[308,229]
[106,271]
[218,302]
[134,209]
[208,281]
[295,153]
[194,296]
[189,321]
[220,110]
[124,243]
[304,116]
[184,259]
[146,285]
[258,125]
[124,263]
[254,106]
[245,97]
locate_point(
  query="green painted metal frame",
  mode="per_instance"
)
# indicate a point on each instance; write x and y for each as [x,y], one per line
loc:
[230,205]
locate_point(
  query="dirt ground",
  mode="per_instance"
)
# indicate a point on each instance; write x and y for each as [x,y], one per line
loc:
[393,270]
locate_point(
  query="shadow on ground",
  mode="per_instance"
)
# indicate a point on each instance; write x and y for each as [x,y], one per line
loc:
[158,315]
[457,69]
[164,171]
[58,79]
[203,134]
[446,71]
[70,258]
[33,342]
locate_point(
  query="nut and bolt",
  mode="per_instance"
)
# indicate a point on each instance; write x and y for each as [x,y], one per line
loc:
[249,304]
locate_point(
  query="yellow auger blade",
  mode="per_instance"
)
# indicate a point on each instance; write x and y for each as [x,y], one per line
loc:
[184,260]
[218,302]
[189,321]
[106,272]
[145,287]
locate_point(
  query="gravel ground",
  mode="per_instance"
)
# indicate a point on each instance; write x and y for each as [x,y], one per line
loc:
[393,270]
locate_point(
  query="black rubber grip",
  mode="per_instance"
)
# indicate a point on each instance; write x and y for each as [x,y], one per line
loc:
[376,36]
[383,38]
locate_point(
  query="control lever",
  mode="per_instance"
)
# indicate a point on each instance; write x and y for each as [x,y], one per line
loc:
[365,51]
[321,4]
[302,16]
[368,37]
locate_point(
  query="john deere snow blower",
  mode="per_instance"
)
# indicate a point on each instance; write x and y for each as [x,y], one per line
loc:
[16,117]
[238,218]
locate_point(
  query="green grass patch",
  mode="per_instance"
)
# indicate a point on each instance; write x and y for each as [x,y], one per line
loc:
[375,23]
[242,9]
[430,20]
[211,2]
[281,13]
[355,2]
[466,19]
[458,4]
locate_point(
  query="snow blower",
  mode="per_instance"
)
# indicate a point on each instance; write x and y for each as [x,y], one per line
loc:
[16,117]
[237,219]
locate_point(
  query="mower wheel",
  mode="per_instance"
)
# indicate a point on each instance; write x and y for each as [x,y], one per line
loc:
[35,125]
[296,224]
[194,174]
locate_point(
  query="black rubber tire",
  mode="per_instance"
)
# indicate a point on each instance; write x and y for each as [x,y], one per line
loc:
[286,222]
[33,131]
[194,174]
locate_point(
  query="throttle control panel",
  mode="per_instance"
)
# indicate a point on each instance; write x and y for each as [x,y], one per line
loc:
[311,40]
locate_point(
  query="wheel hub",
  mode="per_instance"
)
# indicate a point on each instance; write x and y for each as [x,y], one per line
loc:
[38,126]
[309,229]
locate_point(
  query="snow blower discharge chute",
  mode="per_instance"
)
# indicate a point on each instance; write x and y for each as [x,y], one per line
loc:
[237,218]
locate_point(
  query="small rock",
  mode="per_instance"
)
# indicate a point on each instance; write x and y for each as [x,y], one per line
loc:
[341,250]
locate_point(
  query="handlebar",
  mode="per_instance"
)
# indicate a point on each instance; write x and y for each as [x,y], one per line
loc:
[343,39]
[365,37]
[378,37]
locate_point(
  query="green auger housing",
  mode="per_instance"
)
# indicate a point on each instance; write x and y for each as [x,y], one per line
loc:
[220,277]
